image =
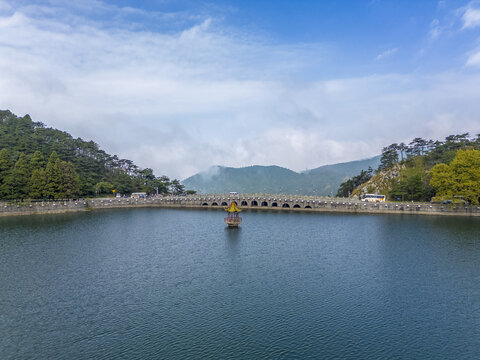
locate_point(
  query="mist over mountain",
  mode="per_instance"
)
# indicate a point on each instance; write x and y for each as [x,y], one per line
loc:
[324,180]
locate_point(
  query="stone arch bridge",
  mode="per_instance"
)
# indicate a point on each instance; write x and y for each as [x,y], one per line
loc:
[293,203]
[279,202]
[248,201]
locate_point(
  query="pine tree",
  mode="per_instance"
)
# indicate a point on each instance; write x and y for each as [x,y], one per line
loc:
[53,174]
[37,184]
[71,181]
[37,161]
[58,180]
[389,157]
[6,176]
[5,162]
[21,177]
[176,187]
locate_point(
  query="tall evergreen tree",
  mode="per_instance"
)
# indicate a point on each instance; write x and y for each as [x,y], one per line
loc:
[21,177]
[71,181]
[389,156]
[418,146]
[37,161]
[37,184]
[59,179]
[53,174]
[347,187]
[122,183]
[6,174]
[176,187]
[5,162]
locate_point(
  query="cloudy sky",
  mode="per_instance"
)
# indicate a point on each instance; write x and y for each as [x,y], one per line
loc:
[181,85]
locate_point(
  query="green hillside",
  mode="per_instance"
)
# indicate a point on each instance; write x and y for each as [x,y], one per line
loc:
[37,162]
[425,170]
[327,179]
[324,180]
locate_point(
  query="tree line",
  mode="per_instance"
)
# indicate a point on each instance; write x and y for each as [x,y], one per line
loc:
[420,166]
[36,178]
[434,151]
[347,187]
[37,162]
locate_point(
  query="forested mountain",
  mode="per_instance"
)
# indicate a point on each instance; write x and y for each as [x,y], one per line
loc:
[274,179]
[41,162]
[424,169]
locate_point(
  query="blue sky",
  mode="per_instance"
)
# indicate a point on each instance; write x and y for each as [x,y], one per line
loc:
[353,32]
[180,86]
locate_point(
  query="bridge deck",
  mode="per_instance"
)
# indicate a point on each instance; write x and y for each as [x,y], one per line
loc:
[246,202]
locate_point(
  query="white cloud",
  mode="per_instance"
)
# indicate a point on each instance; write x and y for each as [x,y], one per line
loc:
[182,100]
[435,29]
[387,53]
[298,149]
[474,59]
[471,17]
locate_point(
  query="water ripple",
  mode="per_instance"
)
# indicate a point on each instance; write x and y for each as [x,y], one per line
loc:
[152,283]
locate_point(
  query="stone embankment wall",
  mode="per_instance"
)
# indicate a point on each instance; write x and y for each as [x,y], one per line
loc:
[50,207]
[246,202]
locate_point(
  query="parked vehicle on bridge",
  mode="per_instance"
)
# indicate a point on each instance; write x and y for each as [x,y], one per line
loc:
[373,198]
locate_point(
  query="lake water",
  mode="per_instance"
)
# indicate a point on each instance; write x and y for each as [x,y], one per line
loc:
[177,284]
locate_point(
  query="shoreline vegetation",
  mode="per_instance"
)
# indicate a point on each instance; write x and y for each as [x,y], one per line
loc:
[424,170]
[248,202]
[37,162]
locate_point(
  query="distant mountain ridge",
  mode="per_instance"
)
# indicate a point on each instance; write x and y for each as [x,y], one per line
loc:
[324,180]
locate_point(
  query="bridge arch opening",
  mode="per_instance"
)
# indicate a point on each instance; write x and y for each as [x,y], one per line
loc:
[204,204]
[274,204]
[254,203]
[285,205]
[224,204]
[296,206]
[214,204]
[244,203]
[264,203]
[308,207]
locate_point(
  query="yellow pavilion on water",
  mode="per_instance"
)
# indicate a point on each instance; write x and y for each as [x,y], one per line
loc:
[233,219]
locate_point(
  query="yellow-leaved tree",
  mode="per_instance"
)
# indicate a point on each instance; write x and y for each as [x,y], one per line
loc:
[460,178]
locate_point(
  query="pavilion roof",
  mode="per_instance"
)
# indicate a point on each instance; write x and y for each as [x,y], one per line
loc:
[233,208]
